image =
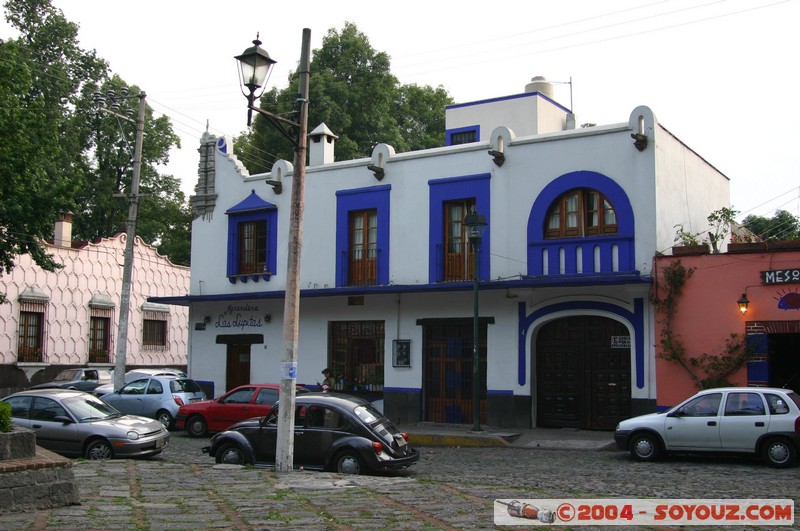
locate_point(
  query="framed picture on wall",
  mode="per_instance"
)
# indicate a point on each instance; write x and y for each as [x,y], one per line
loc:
[401,353]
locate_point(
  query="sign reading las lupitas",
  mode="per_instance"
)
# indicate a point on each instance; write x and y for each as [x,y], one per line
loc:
[240,316]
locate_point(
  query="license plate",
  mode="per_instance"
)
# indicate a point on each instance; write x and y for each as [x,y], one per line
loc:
[401,441]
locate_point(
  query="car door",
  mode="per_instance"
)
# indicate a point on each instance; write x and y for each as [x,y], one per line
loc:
[55,435]
[695,424]
[322,427]
[129,399]
[744,421]
[263,401]
[230,409]
[153,396]
[266,439]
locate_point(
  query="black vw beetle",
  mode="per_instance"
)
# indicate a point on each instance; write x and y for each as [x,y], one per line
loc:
[334,432]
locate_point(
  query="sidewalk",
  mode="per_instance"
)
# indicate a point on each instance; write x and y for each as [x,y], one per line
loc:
[434,434]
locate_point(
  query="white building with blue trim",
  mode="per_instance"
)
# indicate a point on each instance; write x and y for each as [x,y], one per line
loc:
[566,327]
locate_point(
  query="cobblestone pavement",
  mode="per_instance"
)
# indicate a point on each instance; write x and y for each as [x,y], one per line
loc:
[450,488]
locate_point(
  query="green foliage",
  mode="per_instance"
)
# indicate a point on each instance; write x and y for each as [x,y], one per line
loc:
[782,225]
[685,237]
[5,417]
[705,370]
[60,154]
[352,91]
[719,223]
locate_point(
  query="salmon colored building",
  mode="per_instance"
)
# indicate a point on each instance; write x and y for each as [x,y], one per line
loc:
[765,278]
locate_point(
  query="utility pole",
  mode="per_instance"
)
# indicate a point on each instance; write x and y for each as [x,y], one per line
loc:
[130,231]
[284,455]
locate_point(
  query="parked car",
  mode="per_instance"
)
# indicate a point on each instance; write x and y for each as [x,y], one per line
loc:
[332,432]
[80,378]
[758,421]
[135,374]
[159,397]
[74,423]
[240,403]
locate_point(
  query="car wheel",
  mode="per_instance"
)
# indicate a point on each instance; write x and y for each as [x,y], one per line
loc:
[196,426]
[779,453]
[164,418]
[645,447]
[99,449]
[231,454]
[349,462]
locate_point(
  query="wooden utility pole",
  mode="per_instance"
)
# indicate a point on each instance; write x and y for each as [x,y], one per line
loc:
[130,231]
[284,454]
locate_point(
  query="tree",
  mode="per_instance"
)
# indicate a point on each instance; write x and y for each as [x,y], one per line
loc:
[61,154]
[40,78]
[782,226]
[353,92]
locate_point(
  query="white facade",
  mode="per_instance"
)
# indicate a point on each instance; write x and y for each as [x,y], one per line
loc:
[527,280]
[88,286]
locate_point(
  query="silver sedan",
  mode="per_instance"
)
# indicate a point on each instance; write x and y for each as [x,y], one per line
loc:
[73,423]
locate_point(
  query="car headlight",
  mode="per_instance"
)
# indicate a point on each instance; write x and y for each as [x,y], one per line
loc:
[133,435]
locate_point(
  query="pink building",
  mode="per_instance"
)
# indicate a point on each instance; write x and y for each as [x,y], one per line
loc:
[69,317]
[767,280]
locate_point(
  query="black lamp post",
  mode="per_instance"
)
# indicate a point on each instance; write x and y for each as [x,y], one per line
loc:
[475,224]
[255,65]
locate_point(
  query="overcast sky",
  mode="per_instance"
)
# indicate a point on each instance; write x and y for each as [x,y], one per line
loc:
[721,75]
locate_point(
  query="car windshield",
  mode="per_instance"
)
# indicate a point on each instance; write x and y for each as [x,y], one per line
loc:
[88,408]
[67,375]
[185,386]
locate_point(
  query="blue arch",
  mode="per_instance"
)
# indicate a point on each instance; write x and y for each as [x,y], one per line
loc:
[635,318]
[623,240]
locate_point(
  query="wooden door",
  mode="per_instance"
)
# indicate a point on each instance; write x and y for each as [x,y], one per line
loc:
[582,373]
[237,367]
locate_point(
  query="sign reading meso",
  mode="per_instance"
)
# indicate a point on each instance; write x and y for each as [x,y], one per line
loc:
[780,276]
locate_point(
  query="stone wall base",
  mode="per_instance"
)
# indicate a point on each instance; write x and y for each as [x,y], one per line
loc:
[43,481]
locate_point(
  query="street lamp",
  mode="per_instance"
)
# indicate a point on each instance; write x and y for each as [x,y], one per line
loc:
[133,195]
[475,224]
[254,65]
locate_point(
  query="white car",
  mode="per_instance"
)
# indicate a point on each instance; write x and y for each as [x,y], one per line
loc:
[761,421]
[135,374]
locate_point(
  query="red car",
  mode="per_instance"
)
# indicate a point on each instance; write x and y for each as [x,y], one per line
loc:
[243,402]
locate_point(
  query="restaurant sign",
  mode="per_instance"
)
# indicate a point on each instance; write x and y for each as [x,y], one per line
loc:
[780,276]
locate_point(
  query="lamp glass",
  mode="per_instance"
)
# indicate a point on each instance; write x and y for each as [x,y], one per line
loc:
[743,303]
[254,66]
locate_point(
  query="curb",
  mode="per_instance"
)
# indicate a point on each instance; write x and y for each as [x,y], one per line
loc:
[427,439]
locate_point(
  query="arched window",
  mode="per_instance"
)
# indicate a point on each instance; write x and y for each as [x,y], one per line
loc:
[580,212]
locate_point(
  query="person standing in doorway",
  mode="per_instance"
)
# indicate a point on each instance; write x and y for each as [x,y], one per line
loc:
[329,382]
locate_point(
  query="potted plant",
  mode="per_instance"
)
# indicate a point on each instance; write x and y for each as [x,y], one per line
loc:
[688,242]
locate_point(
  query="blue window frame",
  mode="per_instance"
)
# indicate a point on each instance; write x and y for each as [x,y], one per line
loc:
[462,135]
[373,198]
[443,191]
[252,240]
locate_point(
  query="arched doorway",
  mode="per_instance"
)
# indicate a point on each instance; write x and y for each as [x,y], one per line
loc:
[583,373]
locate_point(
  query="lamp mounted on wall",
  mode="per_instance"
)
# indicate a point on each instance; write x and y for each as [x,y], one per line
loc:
[743,303]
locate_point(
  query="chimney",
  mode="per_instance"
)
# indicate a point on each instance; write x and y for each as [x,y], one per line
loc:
[320,149]
[63,232]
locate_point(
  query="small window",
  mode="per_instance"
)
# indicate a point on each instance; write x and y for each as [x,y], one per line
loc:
[739,404]
[463,137]
[580,213]
[253,247]
[99,339]
[777,404]
[155,388]
[242,396]
[154,333]
[20,406]
[267,397]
